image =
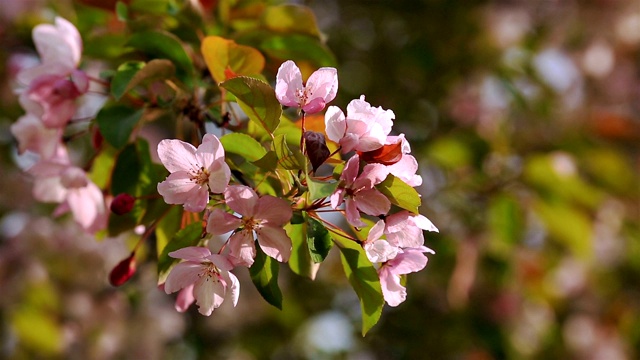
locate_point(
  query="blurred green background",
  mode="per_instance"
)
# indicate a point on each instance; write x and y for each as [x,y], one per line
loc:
[525,119]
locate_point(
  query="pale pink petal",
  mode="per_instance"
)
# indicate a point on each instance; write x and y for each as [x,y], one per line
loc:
[362,110]
[219,176]
[372,174]
[323,83]
[314,105]
[335,123]
[373,139]
[376,231]
[32,135]
[410,260]
[234,287]
[183,275]
[242,247]
[405,170]
[350,171]
[177,155]
[275,242]
[71,36]
[402,231]
[191,253]
[337,197]
[288,84]
[184,299]
[221,222]
[273,210]
[241,199]
[56,46]
[88,207]
[380,251]
[209,151]
[349,142]
[49,189]
[372,202]
[221,261]
[209,294]
[178,188]
[392,291]
[353,215]
[425,224]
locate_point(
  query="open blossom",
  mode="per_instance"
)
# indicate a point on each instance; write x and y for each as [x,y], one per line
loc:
[359,192]
[204,277]
[408,260]
[379,250]
[194,172]
[264,215]
[60,182]
[33,136]
[55,85]
[404,229]
[312,97]
[365,128]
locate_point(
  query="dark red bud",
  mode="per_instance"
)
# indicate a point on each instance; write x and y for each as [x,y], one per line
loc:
[317,149]
[96,138]
[386,155]
[122,204]
[122,272]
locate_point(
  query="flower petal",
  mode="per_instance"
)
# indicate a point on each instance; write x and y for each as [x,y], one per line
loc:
[372,174]
[273,210]
[425,224]
[209,294]
[221,222]
[275,242]
[219,176]
[182,275]
[372,202]
[178,188]
[323,83]
[177,155]
[353,215]
[241,199]
[376,231]
[410,260]
[392,291]
[191,253]
[288,84]
[350,171]
[380,251]
[337,197]
[242,247]
[233,286]
[184,299]
[209,151]
[335,123]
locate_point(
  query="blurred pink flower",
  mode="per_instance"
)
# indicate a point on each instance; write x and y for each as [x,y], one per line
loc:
[407,261]
[365,128]
[194,172]
[379,250]
[60,182]
[359,192]
[33,136]
[209,276]
[404,229]
[320,89]
[265,215]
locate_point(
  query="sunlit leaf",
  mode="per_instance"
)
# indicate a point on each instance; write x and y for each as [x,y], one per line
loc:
[320,189]
[264,274]
[400,194]
[318,239]
[300,261]
[257,99]
[363,277]
[164,45]
[287,158]
[299,48]
[222,54]
[243,145]
[116,122]
[291,19]
[123,76]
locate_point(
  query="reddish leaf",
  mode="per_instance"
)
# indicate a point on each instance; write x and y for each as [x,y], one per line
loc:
[386,155]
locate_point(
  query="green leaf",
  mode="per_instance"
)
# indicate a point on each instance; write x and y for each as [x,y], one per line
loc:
[123,76]
[298,47]
[243,145]
[257,99]
[122,11]
[116,123]
[164,45]
[363,277]
[264,274]
[291,19]
[320,189]
[167,227]
[156,69]
[300,261]
[222,54]
[103,166]
[287,159]
[400,194]
[268,162]
[188,236]
[318,239]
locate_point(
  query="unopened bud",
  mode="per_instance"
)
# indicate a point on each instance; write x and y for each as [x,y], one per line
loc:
[122,272]
[122,204]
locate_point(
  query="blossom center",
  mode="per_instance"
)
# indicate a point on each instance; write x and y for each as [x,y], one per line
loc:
[303,96]
[200,176]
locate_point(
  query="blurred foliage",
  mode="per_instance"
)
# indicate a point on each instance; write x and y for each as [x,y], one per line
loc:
[524,116]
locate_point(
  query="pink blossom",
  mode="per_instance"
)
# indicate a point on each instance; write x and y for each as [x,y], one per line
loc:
[320,89]
[365,128]
[359,192]
[404,229]
[378,250]
[33,136]
[60,182]
[407,261]
[194,172]
[208,275]
[405,169]
[264,215]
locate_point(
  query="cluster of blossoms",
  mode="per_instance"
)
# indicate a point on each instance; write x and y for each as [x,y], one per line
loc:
[217,192]
[53,93]
[395,245]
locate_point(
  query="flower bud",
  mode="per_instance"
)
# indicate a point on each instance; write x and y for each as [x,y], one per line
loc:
[122,272]
[122,204]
